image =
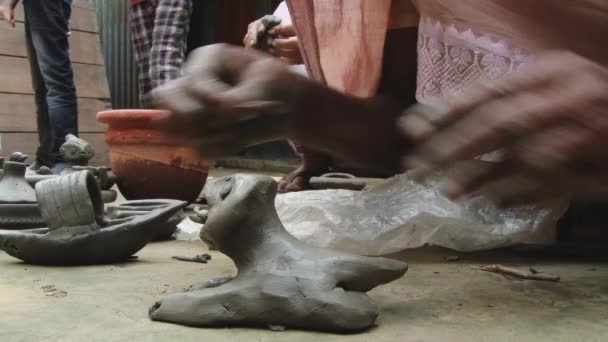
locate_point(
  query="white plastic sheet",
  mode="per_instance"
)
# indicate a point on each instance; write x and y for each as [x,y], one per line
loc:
[400,214]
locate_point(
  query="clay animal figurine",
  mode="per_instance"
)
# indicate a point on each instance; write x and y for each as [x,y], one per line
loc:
[77,231]
[76,151]
[281,281]
[18,208]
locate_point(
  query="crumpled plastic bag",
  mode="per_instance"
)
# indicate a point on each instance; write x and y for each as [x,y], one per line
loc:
[401,213]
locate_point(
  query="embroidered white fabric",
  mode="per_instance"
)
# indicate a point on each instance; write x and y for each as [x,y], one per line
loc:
[451,59]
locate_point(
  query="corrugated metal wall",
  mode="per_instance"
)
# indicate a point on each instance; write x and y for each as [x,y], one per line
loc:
[113,18]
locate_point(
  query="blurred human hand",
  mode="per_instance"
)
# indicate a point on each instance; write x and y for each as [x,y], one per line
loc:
[231,98]
[550,118]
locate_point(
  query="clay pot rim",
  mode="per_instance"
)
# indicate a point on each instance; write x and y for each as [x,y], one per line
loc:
[130,115]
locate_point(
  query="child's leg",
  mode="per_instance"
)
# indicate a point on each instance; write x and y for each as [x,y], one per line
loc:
[171,27]
[142,27]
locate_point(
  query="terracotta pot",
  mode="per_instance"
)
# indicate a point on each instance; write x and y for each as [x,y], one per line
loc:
[149,163]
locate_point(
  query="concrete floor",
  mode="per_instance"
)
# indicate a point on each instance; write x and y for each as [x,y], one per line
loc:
[435,301]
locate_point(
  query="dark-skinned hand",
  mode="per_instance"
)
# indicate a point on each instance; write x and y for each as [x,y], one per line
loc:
[550,119]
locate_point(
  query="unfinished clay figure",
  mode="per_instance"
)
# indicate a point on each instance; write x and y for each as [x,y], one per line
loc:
[78,233]
[18,209]
[281,281]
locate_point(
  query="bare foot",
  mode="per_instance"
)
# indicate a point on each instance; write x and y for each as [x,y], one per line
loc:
[313,164]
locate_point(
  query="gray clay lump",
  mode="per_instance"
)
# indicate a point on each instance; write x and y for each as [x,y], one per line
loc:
[281,281]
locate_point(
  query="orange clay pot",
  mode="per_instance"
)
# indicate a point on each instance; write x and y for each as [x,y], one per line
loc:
[148,162]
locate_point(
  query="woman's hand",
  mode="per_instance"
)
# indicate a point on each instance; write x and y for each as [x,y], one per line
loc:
[253,30]
[284,44]
[550,119]
[282,40]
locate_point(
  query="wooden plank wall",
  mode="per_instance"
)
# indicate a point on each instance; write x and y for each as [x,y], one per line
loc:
[18,112]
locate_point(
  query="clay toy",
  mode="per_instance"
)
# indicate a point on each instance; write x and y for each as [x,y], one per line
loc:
[281,281]
[78,232]
[18,209]
[77,153]
[337,181]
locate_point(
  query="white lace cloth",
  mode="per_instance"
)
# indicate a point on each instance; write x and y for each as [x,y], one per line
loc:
[450,60]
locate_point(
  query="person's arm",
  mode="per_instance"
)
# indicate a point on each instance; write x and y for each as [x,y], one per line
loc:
[231,98]
[7,11]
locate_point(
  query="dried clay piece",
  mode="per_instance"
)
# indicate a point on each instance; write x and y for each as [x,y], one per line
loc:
[337,181]
[18,208]
[281,281]
[78,233]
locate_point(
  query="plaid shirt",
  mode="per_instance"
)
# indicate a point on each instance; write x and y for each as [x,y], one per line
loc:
[159,31]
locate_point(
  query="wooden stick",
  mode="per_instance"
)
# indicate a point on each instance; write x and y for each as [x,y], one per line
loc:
[509,271]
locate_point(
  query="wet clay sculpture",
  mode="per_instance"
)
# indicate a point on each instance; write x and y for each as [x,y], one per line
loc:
[337,181]
[78,233]
[18,208]
[281,282]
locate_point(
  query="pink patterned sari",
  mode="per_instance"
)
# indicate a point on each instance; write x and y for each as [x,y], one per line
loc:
[459,42]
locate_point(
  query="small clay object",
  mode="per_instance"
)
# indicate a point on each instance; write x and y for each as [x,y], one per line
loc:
[18,208]
[200,215]
[44,171]
[77,231]
[201,258]
[13,187]
[105,177]
[264,40]
[18,157]
[76,152]
[337,181]
[281,281]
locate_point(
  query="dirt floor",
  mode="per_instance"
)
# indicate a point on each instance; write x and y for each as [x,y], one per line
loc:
[437,300]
